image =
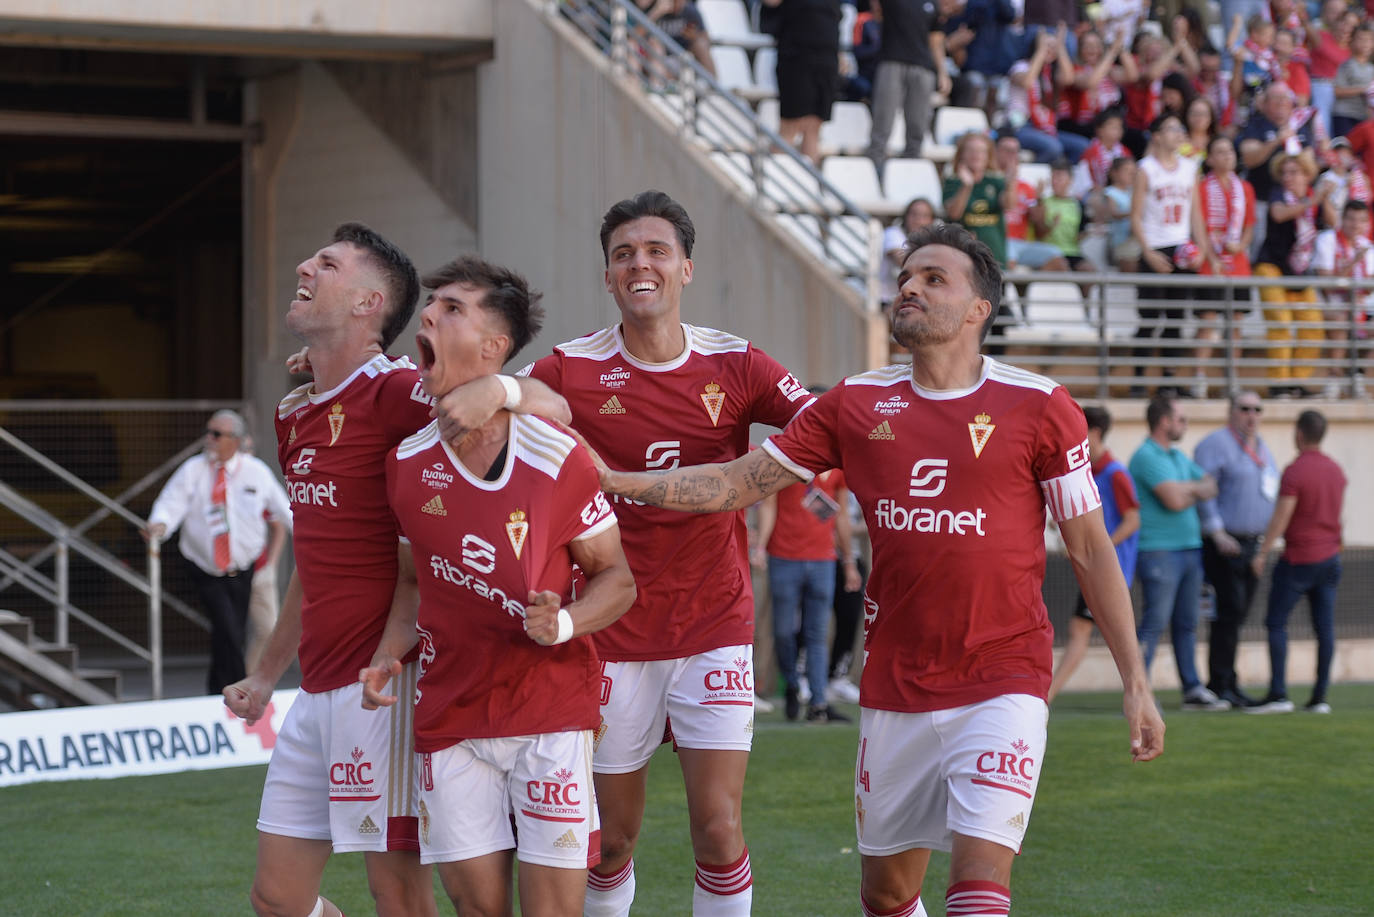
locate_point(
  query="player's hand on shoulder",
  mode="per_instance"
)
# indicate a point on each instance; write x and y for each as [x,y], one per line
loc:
[374,679]
[467,407]
[247,698]
[541,617]
[602,469]
[298,364]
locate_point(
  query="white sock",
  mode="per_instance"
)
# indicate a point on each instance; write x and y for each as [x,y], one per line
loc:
[610,896]
[318,910]
[724,891]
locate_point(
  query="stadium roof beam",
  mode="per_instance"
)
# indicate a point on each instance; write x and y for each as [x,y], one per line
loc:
[45,124]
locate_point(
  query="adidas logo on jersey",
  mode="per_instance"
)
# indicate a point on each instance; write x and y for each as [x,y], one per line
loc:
[612,406]
[435,507]
[568,840]
[882,431]
[1018,821]
[369,826]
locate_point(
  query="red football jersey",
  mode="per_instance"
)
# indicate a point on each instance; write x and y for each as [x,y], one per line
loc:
[333,448]
[692,570]
[805,526]
[480,548]
[953,487]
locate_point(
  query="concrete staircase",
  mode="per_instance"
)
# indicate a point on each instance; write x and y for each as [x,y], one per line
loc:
[40,670]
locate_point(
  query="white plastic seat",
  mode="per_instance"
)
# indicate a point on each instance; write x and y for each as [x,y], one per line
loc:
[907,179]
[951,123]
[849,14]
[791,186]
[727,23]
[857,179]
[1053,310]
[733,72]
[848,130]
[805,228]
[721,125]
[1034,174]
[847,243]
[737,168]
[766,69]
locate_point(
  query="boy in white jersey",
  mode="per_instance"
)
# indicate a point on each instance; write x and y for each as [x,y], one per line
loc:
[954,462]
[330,785]
[508,692]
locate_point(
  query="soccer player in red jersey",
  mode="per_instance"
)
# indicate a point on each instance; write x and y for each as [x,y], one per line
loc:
[328,780]
[653,392]
[954,461]
[508,693]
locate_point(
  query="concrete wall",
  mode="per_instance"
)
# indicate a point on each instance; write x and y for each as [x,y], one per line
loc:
[559,142]
[323,162]
[1349,440]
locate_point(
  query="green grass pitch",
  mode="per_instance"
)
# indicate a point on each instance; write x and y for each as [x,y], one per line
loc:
[1244,814]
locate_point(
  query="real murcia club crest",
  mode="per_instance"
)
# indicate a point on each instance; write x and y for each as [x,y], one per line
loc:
[336,422]
[516,530]
[980,431]
[714,399]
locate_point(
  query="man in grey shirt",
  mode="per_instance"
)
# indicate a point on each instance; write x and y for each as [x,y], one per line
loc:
[1233,523]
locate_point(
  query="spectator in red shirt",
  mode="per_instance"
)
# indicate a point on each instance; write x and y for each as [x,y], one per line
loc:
[1288,69]
[1308,515]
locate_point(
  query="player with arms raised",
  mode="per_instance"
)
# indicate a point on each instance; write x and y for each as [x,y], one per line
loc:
[508,693]
[954,462]
[339,773]
[653,392]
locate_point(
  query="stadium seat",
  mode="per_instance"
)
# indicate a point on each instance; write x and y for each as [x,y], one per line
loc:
[792,186]
[847,243]
[857,179]
[896,141]
[737,168]
[768,114]
[907,179]
[721,124]
[727,22]
[951,123]
[734,73]
[766,69]
[1053,310]
[1120,317]
[805,228]
[1034,174]
[849,14]
[847,131]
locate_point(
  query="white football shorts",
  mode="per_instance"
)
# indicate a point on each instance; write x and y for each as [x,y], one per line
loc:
[481,795]
[709,699]
[972,770]
[342,773]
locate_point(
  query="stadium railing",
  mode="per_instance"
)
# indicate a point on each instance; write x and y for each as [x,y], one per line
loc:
[770,174]
[70,552]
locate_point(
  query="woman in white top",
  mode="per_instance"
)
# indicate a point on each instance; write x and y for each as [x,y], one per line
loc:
[1164,209]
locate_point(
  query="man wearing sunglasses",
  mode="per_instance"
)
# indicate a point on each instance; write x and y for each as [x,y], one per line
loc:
[224,501]
[1233,523]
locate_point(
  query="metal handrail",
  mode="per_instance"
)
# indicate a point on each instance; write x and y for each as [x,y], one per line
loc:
[775,177]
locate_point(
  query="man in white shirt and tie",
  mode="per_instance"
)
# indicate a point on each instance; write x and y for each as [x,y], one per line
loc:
[223,500]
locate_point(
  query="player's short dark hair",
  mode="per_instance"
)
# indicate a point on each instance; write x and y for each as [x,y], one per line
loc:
[986,278]
[1061,165]
[1107,114]
[506,295]
[1354,206]
[1160,407]
[1312,426]
[1098,419]
[398,274]
[1118,163]
[648,204]
[1160,120]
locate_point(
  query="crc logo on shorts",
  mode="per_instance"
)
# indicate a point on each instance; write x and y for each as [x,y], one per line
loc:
[730,686]
[617,377]
[351,780]
[663,455]
[435,476]
[1012,770]
[892,406]
[557,797]
[928,477]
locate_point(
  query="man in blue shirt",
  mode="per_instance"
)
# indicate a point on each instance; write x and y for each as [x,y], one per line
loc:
[1170,560]
[1248,484]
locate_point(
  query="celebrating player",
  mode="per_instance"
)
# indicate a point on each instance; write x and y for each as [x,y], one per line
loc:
[337,772]
[954,463]
[653,392]
[507,695]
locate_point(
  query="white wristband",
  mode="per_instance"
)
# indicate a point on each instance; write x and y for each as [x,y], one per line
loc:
[513,393]
[565,626]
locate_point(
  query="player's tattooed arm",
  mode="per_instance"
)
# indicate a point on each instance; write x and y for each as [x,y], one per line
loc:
[704,488]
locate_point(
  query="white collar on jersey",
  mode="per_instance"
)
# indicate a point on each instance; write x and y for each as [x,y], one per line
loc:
[476,480]
[674,363]
[951,394]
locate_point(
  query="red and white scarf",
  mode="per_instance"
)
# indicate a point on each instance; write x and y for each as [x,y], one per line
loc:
[1305,233]
[1100,158]
[1352,256]
[1224,205]
[1263,57]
